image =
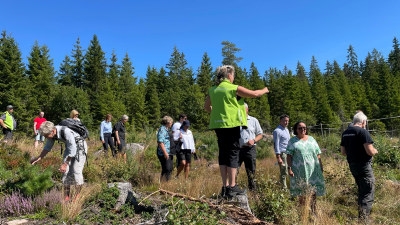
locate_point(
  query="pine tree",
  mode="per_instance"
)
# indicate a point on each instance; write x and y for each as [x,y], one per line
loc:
[229,51]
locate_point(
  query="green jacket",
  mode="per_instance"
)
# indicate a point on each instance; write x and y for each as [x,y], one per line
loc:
[226,110]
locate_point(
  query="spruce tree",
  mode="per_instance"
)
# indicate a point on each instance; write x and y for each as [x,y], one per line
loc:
[153,105]
[352,72]
[323,112]
[394,58]
[258,107]
[78,78]
[95,77]
[333,90]
[306,99]
[66,73]
[41,75]
[204,75]
[344,88]
[15,87]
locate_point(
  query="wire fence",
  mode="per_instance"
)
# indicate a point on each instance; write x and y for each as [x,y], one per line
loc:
[391,127]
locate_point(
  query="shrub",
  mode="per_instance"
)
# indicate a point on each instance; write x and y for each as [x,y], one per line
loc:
[15,205]
[48,201]
[32,181]
[271,203]
[192,213]
[209,140]
[388,153]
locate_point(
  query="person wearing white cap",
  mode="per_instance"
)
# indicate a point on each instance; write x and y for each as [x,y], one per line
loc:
[8,123]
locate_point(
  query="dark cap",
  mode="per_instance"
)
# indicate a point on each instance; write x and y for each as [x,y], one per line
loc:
[186,123]
[10,107]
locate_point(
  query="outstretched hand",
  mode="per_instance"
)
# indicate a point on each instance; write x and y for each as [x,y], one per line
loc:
[35,160]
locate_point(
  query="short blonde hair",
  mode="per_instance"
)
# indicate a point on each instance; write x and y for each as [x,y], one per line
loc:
[73,113]
[223,72]
[166,119]
[46,128]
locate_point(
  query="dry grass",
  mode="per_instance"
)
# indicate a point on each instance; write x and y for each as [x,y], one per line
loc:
[338,206]
[71,209]
[204,180]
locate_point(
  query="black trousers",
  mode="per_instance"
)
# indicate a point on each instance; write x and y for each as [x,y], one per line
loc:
[108,140]
[166,166]
[365,180]
[248,156]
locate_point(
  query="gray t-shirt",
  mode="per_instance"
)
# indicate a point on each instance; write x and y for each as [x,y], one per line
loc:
[68,139]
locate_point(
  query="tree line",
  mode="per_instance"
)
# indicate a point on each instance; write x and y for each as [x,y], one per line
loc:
[86,82]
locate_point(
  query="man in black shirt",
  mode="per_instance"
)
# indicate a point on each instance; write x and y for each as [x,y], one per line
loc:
[357,145]
[120,131]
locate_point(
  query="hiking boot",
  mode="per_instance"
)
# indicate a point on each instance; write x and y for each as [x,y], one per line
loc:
[223,192]
[233,191]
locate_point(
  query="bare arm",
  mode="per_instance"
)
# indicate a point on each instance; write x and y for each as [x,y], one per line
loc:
[41,156]
[162,146]
[246,93]
[370,149]
[320,163]
[117,137]
[2,123]
[207,104]
[343,150]
[289,163]
[34,127]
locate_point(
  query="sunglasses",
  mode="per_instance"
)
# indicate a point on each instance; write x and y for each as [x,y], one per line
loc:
[302,128]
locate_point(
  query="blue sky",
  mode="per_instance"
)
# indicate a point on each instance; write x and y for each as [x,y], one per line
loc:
[269,33]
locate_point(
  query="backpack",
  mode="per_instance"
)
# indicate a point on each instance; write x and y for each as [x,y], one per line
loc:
[76,126]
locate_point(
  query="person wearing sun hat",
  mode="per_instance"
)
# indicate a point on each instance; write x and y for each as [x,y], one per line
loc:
[8,123]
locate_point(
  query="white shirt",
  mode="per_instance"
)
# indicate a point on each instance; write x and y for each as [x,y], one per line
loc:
[187,140]
[176,130]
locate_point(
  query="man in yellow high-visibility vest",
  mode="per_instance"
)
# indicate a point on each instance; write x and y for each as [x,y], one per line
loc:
[8,123]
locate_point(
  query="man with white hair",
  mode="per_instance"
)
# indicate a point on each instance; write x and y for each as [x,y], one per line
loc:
[74,157]
[248,140]
[357,145]
[120,142]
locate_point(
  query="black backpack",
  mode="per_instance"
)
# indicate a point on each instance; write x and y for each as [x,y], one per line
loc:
[76,126]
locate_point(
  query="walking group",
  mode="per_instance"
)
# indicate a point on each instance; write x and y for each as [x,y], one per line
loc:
[298,156]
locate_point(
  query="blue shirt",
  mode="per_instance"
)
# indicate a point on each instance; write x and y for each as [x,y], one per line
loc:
[105,127]
[281,139]
[163,137]
[253,130]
